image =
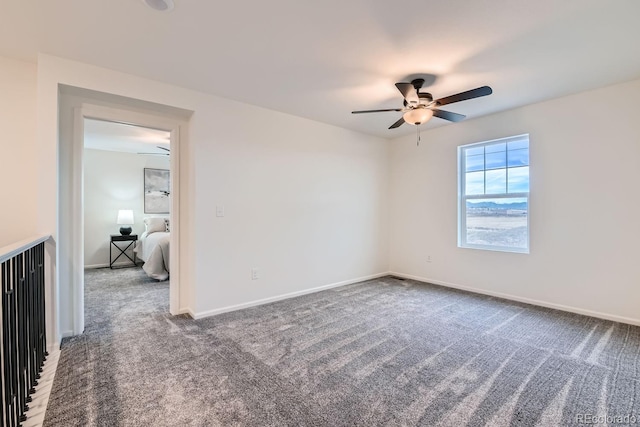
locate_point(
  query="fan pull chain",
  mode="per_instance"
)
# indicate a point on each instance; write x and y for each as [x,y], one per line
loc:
[418,136]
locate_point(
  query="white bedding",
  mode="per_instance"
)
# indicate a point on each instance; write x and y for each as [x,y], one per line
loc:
[148,242]
[153,249]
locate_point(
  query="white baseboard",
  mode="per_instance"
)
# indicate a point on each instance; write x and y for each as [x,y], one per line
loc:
[561,307]
[54,346]
[93,266]
[185,310]
[123,264]
[281,297]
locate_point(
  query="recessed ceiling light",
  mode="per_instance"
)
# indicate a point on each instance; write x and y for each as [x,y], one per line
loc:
[161,5]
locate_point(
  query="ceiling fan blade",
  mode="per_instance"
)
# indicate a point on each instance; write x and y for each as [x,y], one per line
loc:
[162,148]
[463,96]
[448,115]
[154,154]
[397,124]
[409,92]
[375,111]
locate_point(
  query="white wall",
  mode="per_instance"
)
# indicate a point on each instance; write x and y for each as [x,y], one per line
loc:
[112,181]
[584,205]
[306,203]
[17,145]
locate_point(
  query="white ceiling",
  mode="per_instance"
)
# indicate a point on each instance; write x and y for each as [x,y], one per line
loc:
[110,136]
[323,59]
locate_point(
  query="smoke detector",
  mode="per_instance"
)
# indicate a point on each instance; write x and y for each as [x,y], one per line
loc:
[161,5]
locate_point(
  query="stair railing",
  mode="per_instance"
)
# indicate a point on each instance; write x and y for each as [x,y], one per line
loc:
[23,330]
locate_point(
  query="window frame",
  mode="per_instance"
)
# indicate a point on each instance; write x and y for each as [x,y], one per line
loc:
[462,197]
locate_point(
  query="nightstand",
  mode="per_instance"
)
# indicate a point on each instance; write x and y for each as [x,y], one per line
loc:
[115,239]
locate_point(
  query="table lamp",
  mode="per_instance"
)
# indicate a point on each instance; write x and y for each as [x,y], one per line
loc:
[125,217]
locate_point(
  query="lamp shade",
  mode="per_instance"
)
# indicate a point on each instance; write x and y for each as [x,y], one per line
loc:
[417,116]
[125,217]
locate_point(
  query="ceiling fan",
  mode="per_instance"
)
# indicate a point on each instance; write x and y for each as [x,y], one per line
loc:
[159,154]
[419,107]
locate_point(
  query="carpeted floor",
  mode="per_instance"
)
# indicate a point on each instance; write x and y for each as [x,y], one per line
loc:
[381,352]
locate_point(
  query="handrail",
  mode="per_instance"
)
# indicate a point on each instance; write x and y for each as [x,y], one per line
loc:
[9,251]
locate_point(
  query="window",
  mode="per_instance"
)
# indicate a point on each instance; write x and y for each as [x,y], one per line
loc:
[493,205]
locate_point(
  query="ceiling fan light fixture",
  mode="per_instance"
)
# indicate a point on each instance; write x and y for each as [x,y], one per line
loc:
[419,107]
[160,5]
[417,116]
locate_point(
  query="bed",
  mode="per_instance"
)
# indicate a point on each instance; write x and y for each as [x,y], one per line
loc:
[153,248]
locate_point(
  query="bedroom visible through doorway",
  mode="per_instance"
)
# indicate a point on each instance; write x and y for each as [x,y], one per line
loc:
[126,198]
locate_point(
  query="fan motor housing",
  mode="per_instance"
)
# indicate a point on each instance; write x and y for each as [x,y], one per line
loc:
[425,99]
[425,96]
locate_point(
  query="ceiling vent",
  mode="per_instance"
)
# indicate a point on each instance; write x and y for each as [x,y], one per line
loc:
[161,5]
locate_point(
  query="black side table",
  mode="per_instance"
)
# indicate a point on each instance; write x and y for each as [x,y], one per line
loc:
[115,238]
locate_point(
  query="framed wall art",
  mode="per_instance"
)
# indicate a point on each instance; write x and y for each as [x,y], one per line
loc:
[157,191]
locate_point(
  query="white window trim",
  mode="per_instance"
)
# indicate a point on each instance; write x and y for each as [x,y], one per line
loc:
[462,200]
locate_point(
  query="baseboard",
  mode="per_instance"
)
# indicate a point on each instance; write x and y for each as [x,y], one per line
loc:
[119,265]
[94,266]
[561,307]
[217,311]
[54,346]
[185,310]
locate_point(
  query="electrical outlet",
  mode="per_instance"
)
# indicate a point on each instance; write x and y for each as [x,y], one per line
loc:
[429,258]
[255,274]
[219,211]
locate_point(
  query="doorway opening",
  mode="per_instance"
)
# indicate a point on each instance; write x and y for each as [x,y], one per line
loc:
[126,215]
[80,109]
[127,197]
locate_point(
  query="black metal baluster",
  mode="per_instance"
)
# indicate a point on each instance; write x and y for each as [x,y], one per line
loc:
[31,360]
[24,330]
[20,333]
[33,330]
[13,352]
[8,407]
[22,337]
[42,311]
[43,300]
[5,403]
[3,395]
[16,337]
[35,318]
[6,294]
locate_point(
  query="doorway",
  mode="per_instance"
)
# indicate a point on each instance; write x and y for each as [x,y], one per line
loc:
[72,218]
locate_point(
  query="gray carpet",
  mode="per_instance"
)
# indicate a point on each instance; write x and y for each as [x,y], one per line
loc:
[381,352]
